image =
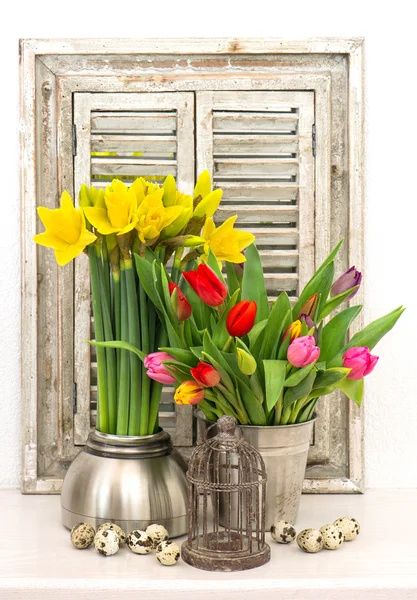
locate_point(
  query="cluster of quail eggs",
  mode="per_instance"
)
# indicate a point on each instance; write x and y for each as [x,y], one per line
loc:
[330,536]
[109,537]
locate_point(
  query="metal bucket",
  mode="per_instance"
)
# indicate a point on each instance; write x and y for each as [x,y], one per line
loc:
[284,449]
[132,481]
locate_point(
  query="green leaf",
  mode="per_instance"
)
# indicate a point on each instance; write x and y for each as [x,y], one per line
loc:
[324,290]
[225,376]
[332,303]
[330,377]
[253,283]
[233,282]
[121,346]
[334,333]
[315,282]
[184,356]
[282,351]
[353,388]
[219,334]
[213,263]
[299,375]
[198,352]
[255,332]
[372,333]
[317,393]
[252,405]
[267,343]
[275,372]
[299,391]
[179,375]
[146,278]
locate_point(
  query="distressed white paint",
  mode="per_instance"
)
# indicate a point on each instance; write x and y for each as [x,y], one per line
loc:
[38,561]
[391,411]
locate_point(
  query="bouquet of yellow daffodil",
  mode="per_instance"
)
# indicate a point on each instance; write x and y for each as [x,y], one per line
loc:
[115,226]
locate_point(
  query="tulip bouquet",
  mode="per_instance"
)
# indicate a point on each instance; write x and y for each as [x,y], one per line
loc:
[232,353]
[153,224]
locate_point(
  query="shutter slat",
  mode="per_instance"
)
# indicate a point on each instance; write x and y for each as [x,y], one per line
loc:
[133,168]
[146,144]
[258,190]
[254,167]
[262,144]
[255,121]
[259,214]
[129,122]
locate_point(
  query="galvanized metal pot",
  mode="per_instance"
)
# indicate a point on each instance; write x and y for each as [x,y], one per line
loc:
[284,449]
[132,481]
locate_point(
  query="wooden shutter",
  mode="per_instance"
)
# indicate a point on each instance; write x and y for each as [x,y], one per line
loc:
[258,148]
[126,136]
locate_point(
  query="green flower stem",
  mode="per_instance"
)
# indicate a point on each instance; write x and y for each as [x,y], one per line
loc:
[227,344]
[175,273]
[212,413]
[135,425]
[156,388]
[146,381]
[217,397]
[236,402]
[111,365]
[286,416]
[102,422]
[105,268]
[278,409]
[117,315]
[296,410]
[124,374]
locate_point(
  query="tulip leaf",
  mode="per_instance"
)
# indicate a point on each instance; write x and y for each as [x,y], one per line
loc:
[301,390]
[145,274]
[197,351]
[372,333]
[212,351]
[283,349]
[334,333]
[179,374]
[315,283]
[324,391]
[266,344]
[225,377]
[181,355]
[213,263]
[253,283]
[219,334]
[353,388]
[256,387]
[332,303]
[307,413]
[120,346]
[233,282]
[324,290]
[252,405]
[329,377]
[275,372]
[299,375]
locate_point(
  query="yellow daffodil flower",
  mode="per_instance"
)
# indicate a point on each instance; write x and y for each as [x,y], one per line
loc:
[152,216]
[185,204]
[143,188]
[66,231]
[225,242]
[206,200]
[119,215]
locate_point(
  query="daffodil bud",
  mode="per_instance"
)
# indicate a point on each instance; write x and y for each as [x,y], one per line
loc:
[170,191]
[246,362]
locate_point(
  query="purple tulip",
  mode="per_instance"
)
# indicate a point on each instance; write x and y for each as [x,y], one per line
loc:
[348,280]
[303,351]
[156,370]
[360,360]
[310,325]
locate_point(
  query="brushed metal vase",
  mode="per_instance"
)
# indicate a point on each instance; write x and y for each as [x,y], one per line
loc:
[133,481]
[284,449]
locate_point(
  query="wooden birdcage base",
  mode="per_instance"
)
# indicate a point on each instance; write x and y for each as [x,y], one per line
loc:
[213,553]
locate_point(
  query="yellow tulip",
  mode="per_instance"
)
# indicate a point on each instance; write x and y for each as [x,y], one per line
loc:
[206,201]
[66,231]
[225,242]
[119,215]
[152,216]
[189,392]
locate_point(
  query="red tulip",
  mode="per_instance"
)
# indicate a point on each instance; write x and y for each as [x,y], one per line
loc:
[205,375]
[360,361]
[241,318]
[206,285]
[180,305]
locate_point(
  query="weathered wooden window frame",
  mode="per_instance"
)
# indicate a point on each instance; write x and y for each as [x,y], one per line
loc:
[48,79]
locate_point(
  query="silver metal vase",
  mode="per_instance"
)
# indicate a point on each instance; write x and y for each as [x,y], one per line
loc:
[132,481]
[284,449]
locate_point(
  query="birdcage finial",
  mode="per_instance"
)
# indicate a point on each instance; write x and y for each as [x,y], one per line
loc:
[227,425]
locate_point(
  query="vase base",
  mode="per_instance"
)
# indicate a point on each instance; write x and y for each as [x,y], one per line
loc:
[176,526]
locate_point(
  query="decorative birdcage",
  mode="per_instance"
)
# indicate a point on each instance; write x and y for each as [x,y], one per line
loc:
[226,475]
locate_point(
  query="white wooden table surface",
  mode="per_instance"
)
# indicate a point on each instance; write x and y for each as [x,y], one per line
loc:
[37,560]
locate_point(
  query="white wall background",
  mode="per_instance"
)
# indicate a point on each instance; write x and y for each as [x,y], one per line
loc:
[391,214]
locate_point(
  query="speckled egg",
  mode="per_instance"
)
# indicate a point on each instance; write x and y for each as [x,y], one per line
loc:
[158,533]
[167,553]
[349,526]
[106,542]
[333,537]
[310,540]
[283,532]
[116,529]
[140,542]
[82,535]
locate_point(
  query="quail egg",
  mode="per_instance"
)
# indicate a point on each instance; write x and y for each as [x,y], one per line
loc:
[167,553]
[349,526]
[332,537]
[106,542]
[116,529]
[82,535]
[310,540]
[158,533]
[283,532]
[140,542]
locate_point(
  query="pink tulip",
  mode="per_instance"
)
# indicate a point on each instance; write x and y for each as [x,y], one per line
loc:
[360,360]
[156,370]
[302,351]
